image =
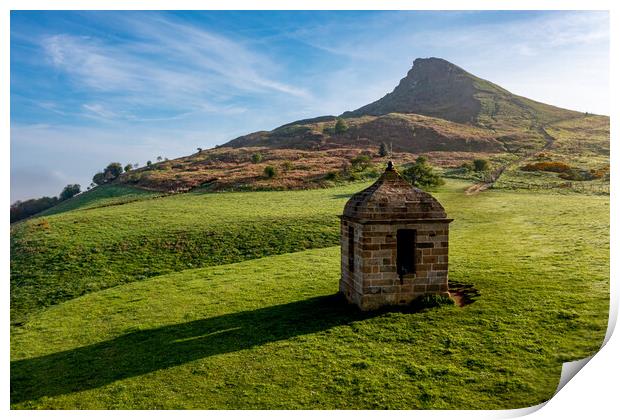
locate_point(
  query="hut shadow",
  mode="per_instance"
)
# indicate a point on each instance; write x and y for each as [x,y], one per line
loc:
[141,352]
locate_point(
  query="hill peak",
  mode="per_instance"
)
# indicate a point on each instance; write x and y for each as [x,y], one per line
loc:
[433,87]
[438,88]
[434,63]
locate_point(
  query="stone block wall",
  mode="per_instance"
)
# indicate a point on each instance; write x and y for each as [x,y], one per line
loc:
[374,280]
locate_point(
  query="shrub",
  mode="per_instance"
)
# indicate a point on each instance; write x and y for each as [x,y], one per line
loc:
[112,171]
[287,165]
[468,166]
[421,160]
[341,126]
[360,162]
[481,165]
[99,178]
[421,174]
[128,167]
[373,173]
[270,171]
[329,131]
[332,176]
[257,158]
[558,167]
[69,191]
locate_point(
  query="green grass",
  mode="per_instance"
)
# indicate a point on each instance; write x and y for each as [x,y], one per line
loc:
[269,333]
[515,179]
[102,196]
[59,257]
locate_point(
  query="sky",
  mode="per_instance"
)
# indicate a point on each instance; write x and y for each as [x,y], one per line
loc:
[93,87]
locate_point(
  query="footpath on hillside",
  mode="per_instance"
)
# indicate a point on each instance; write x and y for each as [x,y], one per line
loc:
[494,176]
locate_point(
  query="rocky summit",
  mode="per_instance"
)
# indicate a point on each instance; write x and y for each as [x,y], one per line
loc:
[433,87]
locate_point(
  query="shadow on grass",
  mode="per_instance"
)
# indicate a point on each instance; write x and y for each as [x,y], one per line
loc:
[141,352]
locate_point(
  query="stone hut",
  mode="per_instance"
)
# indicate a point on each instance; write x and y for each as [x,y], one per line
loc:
[394,244]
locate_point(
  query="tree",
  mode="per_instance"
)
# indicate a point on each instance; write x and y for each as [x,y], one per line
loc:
[149,163]
[136,165]
[481,165]
[341,126]
[159,158]
[257,158]
[69,191]
[199,149]
[99,178]
[112,171]
[421,174]
[384,149]
[421,160]
[270,171]
[128,167]
[22,209]
[360,162]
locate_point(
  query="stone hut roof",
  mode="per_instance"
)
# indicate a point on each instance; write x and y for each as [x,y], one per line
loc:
[393,198]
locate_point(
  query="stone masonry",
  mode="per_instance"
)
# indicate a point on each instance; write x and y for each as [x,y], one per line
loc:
[394,244]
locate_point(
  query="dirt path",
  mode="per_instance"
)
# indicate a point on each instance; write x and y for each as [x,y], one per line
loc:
[481,186]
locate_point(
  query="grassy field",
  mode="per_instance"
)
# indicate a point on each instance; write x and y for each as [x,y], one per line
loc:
[270,332]
[103,196]
[58,257]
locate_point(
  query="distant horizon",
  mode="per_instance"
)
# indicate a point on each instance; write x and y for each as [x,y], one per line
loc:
[92,87]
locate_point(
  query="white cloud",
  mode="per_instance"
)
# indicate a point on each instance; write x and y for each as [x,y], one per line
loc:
[166,68]
[100,111]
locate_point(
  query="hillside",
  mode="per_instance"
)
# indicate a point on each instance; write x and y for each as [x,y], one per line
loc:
[407,133]
[438,110]
[137,305]
[103,196]
[65,255]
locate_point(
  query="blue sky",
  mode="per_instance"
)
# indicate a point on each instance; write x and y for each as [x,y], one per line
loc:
[92,87]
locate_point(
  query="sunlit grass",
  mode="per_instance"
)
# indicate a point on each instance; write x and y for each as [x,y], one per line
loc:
[268,333]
